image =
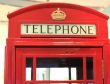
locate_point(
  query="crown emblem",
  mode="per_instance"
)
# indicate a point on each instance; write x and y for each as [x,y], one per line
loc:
[58,14]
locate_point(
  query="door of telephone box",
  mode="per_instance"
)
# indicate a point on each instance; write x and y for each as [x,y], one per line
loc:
[58,65]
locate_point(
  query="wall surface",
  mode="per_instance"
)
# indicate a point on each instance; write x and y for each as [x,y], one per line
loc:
[4,10]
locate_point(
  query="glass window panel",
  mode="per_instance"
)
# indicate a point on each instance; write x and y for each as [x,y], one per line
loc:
[73,74]
[76,67]
[59,69]
[29,64]
[43,73]
[59,74]
[89,68]
[52,73]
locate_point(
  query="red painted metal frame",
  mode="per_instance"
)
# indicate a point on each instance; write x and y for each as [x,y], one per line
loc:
[32,44]
[106,57]
[23,53]
[52,5]
[75,15]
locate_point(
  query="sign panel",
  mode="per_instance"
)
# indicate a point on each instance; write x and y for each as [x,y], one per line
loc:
[58,29]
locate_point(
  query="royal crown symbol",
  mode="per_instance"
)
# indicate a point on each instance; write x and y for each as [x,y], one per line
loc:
[58,14]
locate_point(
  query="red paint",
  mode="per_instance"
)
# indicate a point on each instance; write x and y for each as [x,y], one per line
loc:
[19,47]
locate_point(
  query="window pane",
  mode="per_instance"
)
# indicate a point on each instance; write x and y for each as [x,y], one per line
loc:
[29,63]
[43,73]
[76,68]
[89,68]
[59,69]
[59,74]
[73,74]
[52,73]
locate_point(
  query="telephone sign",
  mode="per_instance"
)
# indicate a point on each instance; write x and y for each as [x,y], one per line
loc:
[58,29]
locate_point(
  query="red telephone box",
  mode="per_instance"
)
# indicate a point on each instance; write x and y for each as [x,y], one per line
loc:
[57,43]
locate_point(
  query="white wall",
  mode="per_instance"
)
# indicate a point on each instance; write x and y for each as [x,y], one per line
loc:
[4,10]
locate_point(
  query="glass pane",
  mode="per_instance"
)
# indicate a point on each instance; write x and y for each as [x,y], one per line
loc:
[75,68]
[59,69]
[89,68]
[29,63]
[52,73]
[43,73]
[59,74]
[73,74]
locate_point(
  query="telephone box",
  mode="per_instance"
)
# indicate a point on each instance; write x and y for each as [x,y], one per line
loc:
[57,43]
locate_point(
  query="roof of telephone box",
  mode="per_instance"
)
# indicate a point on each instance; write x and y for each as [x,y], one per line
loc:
[53,5]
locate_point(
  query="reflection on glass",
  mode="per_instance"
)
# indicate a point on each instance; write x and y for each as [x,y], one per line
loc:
[28,73]
[59,69]
[52,74]
[89,68]
[43,73]
[29,63]
[73,74]
[59,74]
